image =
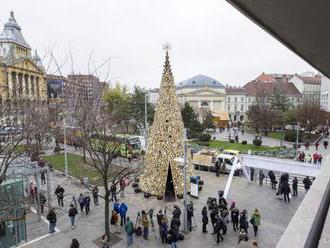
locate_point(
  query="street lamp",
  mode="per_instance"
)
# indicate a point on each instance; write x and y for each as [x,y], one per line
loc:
[183,164]
[64,141]
[297,138]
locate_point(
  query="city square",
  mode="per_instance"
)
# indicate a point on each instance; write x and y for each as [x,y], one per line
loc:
[109,142]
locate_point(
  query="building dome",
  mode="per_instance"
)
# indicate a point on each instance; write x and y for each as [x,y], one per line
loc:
[12,32]
[200,81]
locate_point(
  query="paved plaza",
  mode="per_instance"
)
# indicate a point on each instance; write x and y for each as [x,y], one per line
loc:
[275,215]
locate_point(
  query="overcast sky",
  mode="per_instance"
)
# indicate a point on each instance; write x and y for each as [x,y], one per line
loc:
[208,37]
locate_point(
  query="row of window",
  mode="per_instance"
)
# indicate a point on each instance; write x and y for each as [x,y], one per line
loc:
[235,108]
[235,99]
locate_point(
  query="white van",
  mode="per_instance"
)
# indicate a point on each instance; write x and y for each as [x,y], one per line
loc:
[229,160]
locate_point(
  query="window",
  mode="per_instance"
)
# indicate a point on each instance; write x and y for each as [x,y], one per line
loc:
[228,99]
[235,99]
[228,108]
[204,104]
[235,108]
[242,99]
[242,108]
[241,118]
[249,99]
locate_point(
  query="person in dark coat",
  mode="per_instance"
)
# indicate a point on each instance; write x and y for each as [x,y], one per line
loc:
[213,217]
[75,243]
[173,237]
[96,195]
[113,190]
[234,212]
[251,174]
[190,214]
[307,183]
[217,229]
[59,192]
[160,217]
[286,192]
[272,178]
[51,217]
[325,144]
[205,219]
[261,178]
[163,229]
[87,201]
[243,223]
[295,186]
[217,168]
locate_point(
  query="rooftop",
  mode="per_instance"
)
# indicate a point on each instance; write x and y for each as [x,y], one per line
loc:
[255,88]
[199,81]
[12,33]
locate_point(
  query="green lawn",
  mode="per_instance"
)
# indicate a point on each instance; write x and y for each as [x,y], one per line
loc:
[239,147]
[275,135]
[76,166]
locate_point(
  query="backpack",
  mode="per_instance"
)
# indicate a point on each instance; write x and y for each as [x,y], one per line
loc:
[130,228]
[72,212]
[138,231]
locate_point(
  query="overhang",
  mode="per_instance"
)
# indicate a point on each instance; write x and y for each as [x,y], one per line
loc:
[301,25]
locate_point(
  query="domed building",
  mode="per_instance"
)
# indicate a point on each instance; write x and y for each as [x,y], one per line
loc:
[203,93]
[22,75]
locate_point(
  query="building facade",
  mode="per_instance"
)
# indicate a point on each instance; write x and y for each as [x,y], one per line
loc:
[153,96]
[309,85]
[325,93]
[22,75]
[203,93]
[236,104]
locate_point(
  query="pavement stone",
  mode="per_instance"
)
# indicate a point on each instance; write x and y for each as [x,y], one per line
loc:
[275,215]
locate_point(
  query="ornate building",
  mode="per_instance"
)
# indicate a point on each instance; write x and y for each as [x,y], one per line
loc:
[22,75]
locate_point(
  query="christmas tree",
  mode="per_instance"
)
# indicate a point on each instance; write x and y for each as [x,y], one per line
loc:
[162,175]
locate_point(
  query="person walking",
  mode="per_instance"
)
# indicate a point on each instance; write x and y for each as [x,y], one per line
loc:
[295,186]
[113,190]
[43,177]
[234,212]
[261,178]
[190,214]
[317,146]
[307,184]
[129,228]
[325,144]
[72,214]
[205,219]
[87,201]
[32,192]
[217,230]
[59,192]
[122,211]
[122,185]
[42,199]
[145,224]
[95,193]
[286,191]
[255,221]
[51,217]
[243,224]
[251,174]
[81,201]
[114,222]
[159,220]
[272,178]
[75,243]
[163,230]
[173,237]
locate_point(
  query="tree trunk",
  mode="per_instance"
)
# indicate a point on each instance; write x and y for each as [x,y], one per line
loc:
[84,153]
[107,211]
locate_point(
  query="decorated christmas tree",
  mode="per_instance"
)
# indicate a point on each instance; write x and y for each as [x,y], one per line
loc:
[162,176]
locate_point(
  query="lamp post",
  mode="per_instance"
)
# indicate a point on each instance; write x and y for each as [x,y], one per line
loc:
[183,163]
[297,138]
[65,151]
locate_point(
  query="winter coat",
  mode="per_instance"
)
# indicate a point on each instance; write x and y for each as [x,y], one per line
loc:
[164,228]
[72,212]
[242,221]
[256,218]
[295,183]
[51,216]
[205,219]
[129,227]
[307,183]
[116,207]
[145,221]
[123,209]
[234,215]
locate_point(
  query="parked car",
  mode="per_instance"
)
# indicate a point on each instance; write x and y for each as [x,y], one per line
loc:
[229,160]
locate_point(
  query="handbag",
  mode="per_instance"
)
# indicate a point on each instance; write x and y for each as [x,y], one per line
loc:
[252,221]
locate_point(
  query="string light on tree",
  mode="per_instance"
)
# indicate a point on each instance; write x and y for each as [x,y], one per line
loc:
[165,140]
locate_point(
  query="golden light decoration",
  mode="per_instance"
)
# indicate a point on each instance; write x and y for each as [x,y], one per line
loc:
[165,142]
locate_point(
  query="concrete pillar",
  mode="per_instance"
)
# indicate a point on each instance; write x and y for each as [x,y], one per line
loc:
[10,84]
[26,85]
[32,90]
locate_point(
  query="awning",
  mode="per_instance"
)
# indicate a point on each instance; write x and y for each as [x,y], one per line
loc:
[301,25]
[220,116]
